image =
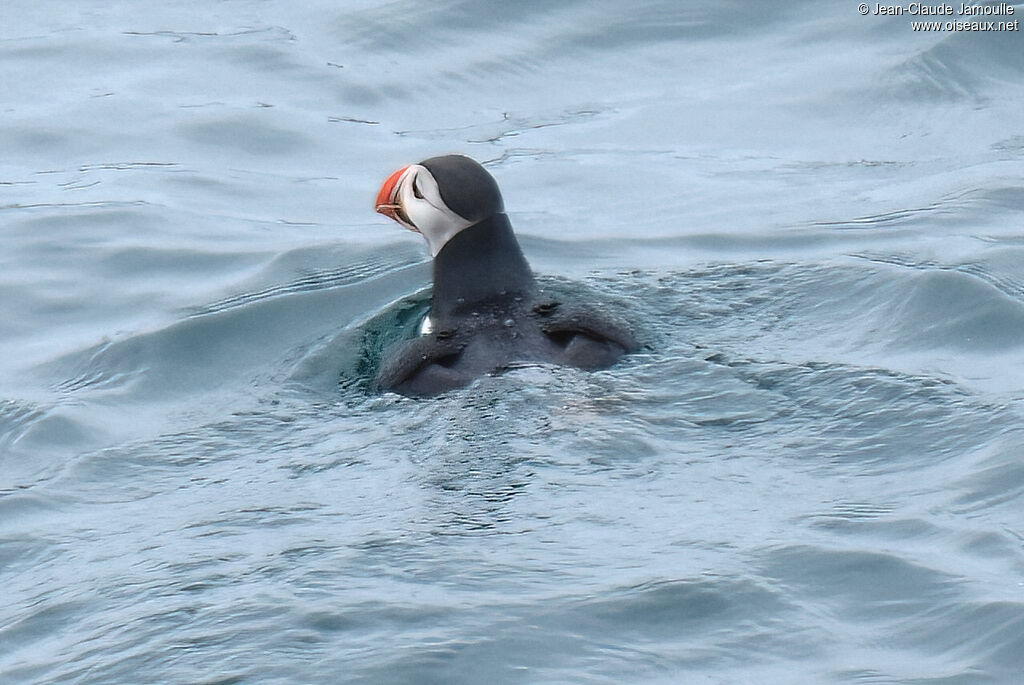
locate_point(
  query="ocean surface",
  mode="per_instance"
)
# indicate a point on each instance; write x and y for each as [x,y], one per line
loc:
[812,473]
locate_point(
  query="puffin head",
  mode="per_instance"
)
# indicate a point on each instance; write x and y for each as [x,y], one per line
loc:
[439,197]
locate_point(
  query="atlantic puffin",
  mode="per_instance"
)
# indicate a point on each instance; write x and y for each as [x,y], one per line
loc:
[485,311]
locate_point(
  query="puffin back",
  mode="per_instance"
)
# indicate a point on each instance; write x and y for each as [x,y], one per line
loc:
[483,263]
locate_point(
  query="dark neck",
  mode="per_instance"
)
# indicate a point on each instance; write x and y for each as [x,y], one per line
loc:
[482,263]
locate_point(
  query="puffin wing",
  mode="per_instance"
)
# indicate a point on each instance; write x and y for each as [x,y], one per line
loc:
[590,339]
[421,367]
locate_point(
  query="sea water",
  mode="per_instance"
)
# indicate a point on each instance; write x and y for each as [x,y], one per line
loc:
[811,473]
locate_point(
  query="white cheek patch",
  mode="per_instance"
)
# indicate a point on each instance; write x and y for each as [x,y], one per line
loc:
[429,213]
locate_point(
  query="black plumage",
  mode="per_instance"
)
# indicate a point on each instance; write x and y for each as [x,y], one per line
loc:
[485,311]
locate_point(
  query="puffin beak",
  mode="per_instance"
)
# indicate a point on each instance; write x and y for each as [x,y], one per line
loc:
[387,199]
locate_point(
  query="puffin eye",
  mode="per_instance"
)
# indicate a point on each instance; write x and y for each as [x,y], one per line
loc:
[416,190]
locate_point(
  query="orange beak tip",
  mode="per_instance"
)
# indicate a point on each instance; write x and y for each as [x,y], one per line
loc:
[386,196]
